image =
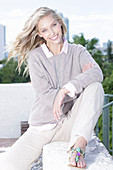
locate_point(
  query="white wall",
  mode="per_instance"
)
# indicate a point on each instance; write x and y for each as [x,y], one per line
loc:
[15,104]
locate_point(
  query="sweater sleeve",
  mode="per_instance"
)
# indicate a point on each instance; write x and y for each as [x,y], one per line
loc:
[94,74]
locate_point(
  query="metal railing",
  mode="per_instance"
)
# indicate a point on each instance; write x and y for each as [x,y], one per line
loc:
[107,120]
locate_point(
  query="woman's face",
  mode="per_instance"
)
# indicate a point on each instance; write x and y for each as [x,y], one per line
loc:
[50,29]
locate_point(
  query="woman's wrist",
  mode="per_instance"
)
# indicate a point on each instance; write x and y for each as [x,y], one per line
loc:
[64,90]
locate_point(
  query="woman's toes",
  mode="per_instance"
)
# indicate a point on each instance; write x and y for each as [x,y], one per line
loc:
[73,163]
[78,164]
[81,164]
[84,164]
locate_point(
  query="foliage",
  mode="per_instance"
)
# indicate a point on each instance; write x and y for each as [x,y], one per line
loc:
[79,39]
[9,73]
[108,83]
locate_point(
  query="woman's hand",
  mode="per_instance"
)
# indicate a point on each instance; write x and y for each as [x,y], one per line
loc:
[87,67]
[58,102]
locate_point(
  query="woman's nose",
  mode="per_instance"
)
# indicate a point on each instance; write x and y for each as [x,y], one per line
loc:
[51,32]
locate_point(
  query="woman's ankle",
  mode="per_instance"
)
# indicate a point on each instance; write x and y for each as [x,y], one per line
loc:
[81,143]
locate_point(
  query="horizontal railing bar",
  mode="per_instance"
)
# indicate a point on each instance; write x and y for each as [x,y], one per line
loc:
[109,95]
[110,150]
[107,105]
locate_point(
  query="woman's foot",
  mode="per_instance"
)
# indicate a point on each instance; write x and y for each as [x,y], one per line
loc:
[80,143]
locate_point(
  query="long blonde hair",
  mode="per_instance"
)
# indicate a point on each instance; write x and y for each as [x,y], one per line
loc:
[29,39]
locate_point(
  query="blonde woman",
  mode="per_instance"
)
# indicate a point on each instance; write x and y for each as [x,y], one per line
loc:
[69,94]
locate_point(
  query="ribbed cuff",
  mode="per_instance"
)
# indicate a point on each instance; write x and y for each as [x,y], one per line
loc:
[71,88]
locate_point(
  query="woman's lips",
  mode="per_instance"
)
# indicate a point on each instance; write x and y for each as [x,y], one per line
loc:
[54,38]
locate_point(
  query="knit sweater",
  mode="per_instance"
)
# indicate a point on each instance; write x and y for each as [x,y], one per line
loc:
[48,75]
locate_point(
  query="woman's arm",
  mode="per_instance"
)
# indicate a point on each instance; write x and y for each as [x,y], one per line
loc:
[94,74]
[61,94]
[90,72]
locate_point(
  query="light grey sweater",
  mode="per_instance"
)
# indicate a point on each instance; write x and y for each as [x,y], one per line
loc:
[48,74]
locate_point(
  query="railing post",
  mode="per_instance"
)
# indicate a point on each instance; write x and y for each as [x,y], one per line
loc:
[96,129]
[106,123]
[112,129]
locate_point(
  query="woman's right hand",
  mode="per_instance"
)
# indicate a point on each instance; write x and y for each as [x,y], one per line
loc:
[58,102]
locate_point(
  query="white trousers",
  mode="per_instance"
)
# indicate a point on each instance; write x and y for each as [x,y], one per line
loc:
[80,121]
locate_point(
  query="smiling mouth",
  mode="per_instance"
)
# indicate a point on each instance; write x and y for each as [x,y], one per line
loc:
[54,38]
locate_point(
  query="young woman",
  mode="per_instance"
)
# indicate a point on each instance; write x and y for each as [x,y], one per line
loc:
[69,94]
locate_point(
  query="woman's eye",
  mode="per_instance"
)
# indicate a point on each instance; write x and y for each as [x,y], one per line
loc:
[43,31]
[54,24]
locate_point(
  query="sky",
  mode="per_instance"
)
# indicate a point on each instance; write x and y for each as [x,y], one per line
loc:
[93,18]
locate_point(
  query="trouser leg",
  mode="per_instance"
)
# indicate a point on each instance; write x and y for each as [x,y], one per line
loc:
[83,116]
[89,111]
[26,149]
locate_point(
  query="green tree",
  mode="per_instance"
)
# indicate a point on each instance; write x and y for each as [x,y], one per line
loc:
[108,83]
[79,39]
[91,44]
[10,74]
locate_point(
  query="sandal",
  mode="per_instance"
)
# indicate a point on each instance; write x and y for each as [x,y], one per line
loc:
[79,152]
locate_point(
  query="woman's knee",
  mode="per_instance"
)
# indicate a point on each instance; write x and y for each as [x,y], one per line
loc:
[96,86]
[95,90]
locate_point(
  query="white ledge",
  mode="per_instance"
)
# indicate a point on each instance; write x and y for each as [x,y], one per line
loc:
[97,157]
[15,84]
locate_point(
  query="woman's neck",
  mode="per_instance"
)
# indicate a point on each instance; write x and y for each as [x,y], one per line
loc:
[55,48]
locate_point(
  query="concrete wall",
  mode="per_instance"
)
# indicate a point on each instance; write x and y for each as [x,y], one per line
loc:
[15,104]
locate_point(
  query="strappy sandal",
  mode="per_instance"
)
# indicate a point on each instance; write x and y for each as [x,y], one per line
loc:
[79,152]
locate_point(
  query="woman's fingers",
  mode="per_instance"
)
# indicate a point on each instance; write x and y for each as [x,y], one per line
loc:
[87,67]
[57,104]
[56,110]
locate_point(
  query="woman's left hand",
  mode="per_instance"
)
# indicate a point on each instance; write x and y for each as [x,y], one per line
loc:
[58,102]
[87,66]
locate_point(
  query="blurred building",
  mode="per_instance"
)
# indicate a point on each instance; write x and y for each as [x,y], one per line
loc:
[67,25]
[105,46]
[2,41]
[66,20]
